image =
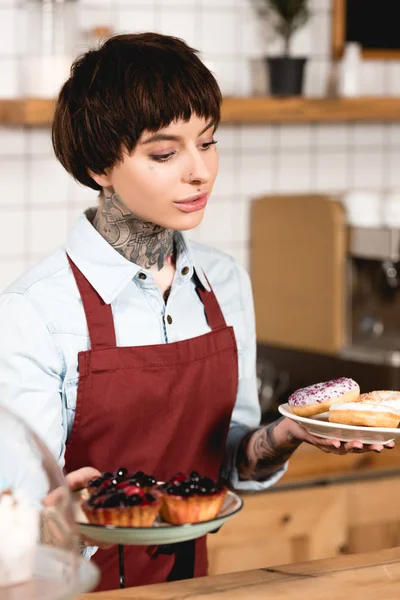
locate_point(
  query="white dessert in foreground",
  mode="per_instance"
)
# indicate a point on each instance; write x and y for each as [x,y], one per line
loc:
[19,533]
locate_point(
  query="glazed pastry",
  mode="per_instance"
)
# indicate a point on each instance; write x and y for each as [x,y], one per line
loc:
[375,409]
[127,507]
[317,398]
[389,397]
[191,499]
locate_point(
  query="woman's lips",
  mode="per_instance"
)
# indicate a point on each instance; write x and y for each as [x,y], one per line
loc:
[198,203]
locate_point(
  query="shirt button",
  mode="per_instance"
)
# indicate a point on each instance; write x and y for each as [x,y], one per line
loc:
[169,319]
[142,276]
[185,270]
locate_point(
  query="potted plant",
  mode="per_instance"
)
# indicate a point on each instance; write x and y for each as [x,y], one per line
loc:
[285,17]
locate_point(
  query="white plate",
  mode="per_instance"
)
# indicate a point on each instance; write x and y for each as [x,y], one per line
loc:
[54,578]
[321,427]
[160,533]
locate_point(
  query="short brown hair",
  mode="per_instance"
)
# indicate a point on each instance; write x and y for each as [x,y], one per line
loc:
[132,83]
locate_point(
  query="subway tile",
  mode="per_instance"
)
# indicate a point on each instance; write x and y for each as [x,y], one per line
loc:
[393,78]
[48,230]
[334,135]
[81,195]
[219,32]
[12,141]
[225,183]
[8,31]
[368,170]
[321,5]
[39,141]
[225,72]
[240,219]
[294,174]
[320,34]
[241,253]
[372,78]
[331,172]
[48,184]
[253,33]
[393,177]
[302,41]
[255,175]
[9,83]
[10,270]
[244,78]
[215,4]
[316,77]
[367,135]
[216,224]
[295,136]
[394,134]
[12,239]
[102,3]
[149,4]
[135,20]
[228,137]
[13,182]
[181,24]
[256,138]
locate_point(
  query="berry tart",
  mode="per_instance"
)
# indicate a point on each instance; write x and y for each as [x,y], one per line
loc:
[128,506]
[121,478]
[191,499]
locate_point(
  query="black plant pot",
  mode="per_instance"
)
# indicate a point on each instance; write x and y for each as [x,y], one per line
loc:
[286,76]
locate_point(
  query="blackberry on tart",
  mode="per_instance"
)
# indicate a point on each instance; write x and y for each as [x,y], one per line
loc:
[121,478]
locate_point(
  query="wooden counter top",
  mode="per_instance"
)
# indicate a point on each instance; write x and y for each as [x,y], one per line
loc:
[361,576]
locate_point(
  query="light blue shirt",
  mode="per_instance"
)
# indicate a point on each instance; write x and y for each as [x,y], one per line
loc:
[43,327]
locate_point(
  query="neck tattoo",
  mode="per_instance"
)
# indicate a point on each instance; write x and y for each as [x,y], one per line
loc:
[144,243]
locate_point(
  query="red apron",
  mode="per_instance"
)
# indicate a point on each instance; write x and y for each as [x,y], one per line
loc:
[159,409]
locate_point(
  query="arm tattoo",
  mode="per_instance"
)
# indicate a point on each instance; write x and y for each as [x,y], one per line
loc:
[260,454]
[141,242]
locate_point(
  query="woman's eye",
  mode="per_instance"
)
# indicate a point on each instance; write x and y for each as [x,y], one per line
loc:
[162,157]
[208,145]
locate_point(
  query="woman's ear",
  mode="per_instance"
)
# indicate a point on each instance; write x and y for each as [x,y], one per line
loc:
[104,180]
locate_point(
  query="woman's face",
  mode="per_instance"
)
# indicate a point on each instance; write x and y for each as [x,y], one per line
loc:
[169,176]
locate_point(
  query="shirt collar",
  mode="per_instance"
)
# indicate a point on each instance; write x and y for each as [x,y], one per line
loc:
[107,270]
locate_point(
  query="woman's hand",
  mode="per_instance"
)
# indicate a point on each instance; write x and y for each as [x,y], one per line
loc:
[76,480]
[331,445]
[79,479]
[264,451]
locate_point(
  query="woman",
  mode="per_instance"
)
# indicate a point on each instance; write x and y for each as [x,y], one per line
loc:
[132,346]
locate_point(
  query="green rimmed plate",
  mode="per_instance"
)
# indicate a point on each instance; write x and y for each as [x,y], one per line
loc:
[160,533]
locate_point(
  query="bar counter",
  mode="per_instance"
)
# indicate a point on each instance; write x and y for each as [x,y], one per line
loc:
[360,576]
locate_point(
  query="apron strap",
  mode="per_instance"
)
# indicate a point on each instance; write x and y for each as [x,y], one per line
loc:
[212,309]
[99,315]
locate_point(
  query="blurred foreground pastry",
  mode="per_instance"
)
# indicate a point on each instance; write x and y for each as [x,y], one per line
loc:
[19,534]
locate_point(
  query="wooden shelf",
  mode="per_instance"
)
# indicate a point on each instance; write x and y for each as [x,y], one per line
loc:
[38,112]
[309,110]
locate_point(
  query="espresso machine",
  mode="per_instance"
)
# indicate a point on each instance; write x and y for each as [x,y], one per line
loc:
[326,295]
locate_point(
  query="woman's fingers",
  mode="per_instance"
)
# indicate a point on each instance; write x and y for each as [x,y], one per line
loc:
[80,478]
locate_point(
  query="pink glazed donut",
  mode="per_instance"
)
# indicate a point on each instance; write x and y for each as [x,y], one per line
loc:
[317,398]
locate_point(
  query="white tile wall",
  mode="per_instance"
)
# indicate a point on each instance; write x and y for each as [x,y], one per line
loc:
[40,203]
